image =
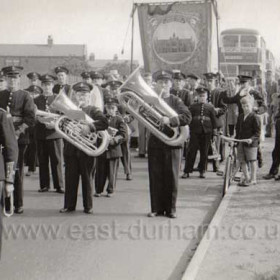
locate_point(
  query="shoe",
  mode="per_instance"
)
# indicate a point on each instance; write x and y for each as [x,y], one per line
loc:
[19,210]
[254,182]
[220,173]
[277,178]
[243,184]
[268,135]
[109,195]
[88,211]
[152,214]
[60,190]
[97,194]
[128,177]
[185,175]
[202,175]
[171,215]
[268,176]
[66,210]
[45,189]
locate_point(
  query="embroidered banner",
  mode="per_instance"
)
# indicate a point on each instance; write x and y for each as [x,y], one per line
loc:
[177,36]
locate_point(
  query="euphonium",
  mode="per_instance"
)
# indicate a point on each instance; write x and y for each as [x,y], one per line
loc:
[93,144]
[134,92]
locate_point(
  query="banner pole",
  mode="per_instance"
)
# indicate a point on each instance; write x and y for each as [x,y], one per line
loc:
[132,37]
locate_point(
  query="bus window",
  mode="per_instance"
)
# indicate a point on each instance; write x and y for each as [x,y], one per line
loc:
[248,41]
[230,41]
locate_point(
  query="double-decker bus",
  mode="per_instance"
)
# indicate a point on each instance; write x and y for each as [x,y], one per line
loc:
[242,52]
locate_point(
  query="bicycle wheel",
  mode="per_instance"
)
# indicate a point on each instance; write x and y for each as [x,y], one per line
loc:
[227,176]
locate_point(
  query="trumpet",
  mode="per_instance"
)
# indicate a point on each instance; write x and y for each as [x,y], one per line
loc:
[92,144]
[135,96]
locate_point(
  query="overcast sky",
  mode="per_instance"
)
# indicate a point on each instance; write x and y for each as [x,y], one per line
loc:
[102,24]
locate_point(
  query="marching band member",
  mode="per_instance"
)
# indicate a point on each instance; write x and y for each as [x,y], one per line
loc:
[3,84]
[49,142]
[202,129]
[125,145]
[20,105]
[108,163]
[216,99]
[8,156]
[61,74]
[77,163]
[164,160]
[31,151]
[86,77]
[34,78]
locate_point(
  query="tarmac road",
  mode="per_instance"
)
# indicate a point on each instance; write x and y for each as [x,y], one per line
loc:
[118,242]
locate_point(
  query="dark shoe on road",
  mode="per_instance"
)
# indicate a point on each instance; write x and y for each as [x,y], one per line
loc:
[66,210]
[171,215]
[128,177]
[60,190]
[202,175]
[277,178]
[88,211]
[268,176]
[45,189]
[185,175]
[19,210]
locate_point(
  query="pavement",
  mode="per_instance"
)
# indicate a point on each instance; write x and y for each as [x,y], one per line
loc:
[118,241]
[242,240]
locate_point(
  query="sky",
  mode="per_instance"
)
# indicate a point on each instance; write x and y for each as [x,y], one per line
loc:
[103,24]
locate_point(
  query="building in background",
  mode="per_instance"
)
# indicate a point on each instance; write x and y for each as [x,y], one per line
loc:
[43,58]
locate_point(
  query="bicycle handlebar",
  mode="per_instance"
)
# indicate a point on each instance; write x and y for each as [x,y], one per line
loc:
[228,139]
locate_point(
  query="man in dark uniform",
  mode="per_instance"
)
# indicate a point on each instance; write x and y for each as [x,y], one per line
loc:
[33,78]
[86,77]
[49,142]
[8,156]
[77,163]
[202,129]
[179,90]
[20,105]
[164,160]
[216,99]
[193,81]
[271,87]
[31,151]
[98,93]
[62,86]
[2,81]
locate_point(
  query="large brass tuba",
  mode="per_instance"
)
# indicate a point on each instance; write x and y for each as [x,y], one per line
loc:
[93,144]
[135,96]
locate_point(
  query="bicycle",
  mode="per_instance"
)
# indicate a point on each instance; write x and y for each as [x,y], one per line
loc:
[232,164]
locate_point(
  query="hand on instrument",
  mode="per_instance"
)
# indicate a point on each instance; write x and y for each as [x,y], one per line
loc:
[85,129]
[249,141]
[165,121]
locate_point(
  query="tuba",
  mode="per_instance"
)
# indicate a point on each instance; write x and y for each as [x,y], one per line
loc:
[135,96]
[92,144]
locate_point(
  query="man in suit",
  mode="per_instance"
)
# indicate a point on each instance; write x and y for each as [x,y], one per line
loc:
[20,105]
[202,129]
[164,160]
[8,157]
[77,163]
[271,87]
[49,142]
[62,86]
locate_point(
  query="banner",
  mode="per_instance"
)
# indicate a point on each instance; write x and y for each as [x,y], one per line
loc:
[177,36]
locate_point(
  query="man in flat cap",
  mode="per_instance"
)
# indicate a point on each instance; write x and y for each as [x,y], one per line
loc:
[49,142]
[20,106]
[77,163]
[86,77]
[202,129]
[193,81]
[164,160]
[62,86]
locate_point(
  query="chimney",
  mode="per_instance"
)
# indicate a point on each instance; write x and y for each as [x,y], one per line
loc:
[50,40]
